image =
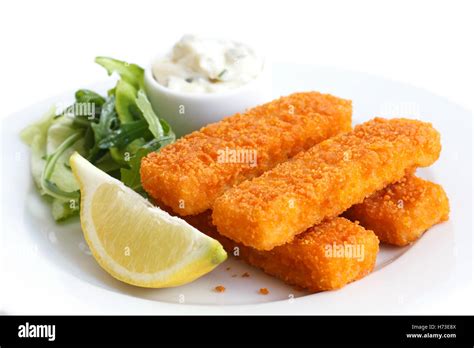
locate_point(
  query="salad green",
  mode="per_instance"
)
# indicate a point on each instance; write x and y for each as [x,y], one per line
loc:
[114,132]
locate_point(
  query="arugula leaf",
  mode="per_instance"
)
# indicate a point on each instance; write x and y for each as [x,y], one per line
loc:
[167,128]
[89,140]
[153,121]
[88,96]
[107,164]
[108,122]
[126,106]
[156,144]
[122,156]
[131,73]
[124,135]
[157,126]
[131,176]
[84,98]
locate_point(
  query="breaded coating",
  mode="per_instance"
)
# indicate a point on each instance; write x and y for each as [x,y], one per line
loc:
[324,181]
[325,257]
[400,213]
[191,173]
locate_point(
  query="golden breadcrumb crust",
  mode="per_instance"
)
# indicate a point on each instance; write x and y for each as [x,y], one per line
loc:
[189,175]
[400,213]
[324,181]
[311,261]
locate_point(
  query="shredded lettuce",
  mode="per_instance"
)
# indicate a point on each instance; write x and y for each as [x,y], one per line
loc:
[35,136]
[58,132]
[62,210]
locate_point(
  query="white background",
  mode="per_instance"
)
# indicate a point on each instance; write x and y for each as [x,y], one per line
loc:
[48,47]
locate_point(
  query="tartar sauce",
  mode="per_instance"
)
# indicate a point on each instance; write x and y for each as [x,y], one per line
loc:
[199,65]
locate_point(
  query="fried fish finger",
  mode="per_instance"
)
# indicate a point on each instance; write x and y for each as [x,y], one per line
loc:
[400,213]
[190,174]
[325,257]
[324,181]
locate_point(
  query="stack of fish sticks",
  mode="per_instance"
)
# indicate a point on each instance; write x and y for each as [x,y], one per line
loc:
[312,205]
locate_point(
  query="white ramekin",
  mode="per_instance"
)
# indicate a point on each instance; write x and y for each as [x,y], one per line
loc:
[187,112]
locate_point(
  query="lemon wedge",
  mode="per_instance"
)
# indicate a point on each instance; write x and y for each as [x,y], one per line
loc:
[136,242]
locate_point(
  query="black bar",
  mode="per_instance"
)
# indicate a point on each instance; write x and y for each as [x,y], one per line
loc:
[218,330]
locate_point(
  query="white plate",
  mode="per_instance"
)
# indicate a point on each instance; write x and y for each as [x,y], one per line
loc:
[49,270]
